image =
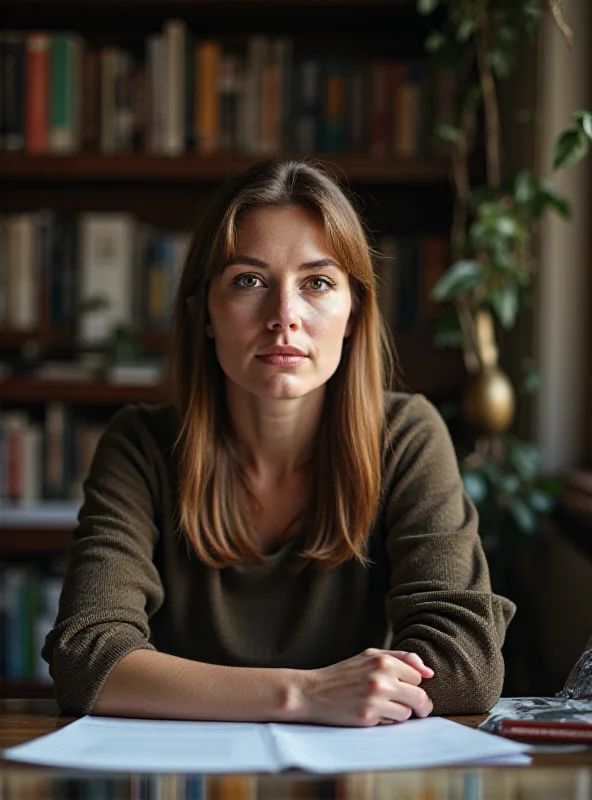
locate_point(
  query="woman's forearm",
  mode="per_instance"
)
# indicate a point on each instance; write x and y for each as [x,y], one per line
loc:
[149,684]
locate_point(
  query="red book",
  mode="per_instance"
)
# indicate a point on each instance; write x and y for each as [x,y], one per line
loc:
[381,112]
[37,72]
[546,730]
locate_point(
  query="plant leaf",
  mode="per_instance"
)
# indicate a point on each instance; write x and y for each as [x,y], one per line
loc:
[522,514]
[446,329]
[541,502]
[465,29]
[551,485]
[524,187]
[510,483]
[525,458]
[548,196]
[501,62]
[584,121]
[460,278]
[435,41]
[426,7]
[570,147]
[475,485]
[504,303]
[448,133]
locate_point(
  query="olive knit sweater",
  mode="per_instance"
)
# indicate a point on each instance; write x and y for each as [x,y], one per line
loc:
[131,582]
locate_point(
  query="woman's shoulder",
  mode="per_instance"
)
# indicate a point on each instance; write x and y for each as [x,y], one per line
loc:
[412,423]
[146,423]
[404,409]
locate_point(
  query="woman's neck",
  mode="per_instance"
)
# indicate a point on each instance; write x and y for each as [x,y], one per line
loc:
[275,437]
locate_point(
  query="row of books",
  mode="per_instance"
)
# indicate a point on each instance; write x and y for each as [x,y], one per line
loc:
[408,269]
[52,267]
[179,94]
[28,609]
[45,459]
[436,784]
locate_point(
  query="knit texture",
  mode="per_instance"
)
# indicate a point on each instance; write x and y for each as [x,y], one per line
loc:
[131,582]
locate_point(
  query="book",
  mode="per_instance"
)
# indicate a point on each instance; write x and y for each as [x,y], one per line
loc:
[106,269]
[537,730]
[551,719]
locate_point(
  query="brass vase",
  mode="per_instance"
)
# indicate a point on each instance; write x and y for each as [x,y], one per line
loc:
[489,400]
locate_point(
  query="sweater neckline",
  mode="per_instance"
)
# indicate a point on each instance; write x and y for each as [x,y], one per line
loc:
[273,560]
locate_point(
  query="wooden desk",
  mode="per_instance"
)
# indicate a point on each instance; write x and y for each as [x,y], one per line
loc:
[558,775]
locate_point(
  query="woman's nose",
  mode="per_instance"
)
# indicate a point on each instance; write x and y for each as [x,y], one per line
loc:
[283,311]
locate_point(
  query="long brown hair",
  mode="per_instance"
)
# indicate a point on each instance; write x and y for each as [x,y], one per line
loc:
[214,495]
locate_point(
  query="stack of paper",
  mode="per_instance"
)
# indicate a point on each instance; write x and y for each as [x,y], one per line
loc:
[105,743]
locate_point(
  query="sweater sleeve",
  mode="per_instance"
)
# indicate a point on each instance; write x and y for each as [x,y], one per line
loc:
[440,603]
[111,586]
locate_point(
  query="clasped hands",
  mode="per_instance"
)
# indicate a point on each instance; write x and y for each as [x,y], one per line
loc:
[376,687]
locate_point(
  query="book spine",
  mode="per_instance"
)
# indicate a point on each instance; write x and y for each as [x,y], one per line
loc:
[155,59]
[54,457]
[63,110]
[359,107]
[109,61]
[91,98]
[230,66]
[174,34]
[190,87]
[14,91]
[408,133]
[381,114]
[124,108]
[335,111]
[44,229]
[37,70]
[309,103]
[533,730]
[286,114]
[140,108]
[208,59]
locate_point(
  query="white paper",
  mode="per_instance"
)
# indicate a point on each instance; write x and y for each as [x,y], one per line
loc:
[414,744]
[106,743]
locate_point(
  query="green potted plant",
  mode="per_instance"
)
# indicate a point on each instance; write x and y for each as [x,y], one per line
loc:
[493,246]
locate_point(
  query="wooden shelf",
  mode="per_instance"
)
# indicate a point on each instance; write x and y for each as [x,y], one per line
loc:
[17,390]
[34,541]
[153,342]
[26,688]
[422,368]
[189,167]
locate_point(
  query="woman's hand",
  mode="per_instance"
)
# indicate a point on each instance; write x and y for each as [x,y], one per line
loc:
[376,687]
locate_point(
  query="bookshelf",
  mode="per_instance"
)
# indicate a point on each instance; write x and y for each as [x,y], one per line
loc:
[185,168]
[403,189]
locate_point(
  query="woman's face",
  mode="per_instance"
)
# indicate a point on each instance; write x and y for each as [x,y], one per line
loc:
[285,289]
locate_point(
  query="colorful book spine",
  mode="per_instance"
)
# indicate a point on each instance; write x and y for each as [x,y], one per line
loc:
[37,94]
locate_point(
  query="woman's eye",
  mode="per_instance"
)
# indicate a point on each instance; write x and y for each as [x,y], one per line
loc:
[245,281]
[320,284]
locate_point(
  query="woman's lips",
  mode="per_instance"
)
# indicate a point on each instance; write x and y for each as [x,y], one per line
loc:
[281,360]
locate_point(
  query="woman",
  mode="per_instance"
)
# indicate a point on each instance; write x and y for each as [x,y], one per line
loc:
[288,541]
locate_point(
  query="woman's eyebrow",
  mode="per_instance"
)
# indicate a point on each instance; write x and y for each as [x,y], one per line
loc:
[257,262]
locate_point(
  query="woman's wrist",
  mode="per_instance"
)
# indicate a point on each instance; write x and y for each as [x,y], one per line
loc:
[293,695]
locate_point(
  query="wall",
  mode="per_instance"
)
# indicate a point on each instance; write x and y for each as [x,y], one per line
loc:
[562,331]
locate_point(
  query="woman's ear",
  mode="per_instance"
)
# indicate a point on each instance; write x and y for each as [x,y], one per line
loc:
[350,326]
[190,301]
